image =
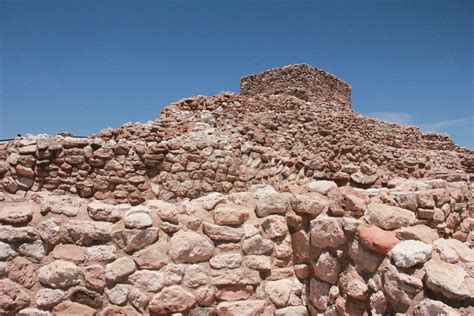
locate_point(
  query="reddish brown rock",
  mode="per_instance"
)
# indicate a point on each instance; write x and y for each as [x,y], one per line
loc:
[12,297]
[22,271]
[377,239]
[172,299]
[69,252]
[68,308]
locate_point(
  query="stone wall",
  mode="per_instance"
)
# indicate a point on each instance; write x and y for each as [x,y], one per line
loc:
[302,81]
[318,248]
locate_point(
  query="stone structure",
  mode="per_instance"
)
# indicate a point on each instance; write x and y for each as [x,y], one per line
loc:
[302,81]
[267,204]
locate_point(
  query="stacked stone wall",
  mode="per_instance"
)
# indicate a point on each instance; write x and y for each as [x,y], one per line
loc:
[315,249]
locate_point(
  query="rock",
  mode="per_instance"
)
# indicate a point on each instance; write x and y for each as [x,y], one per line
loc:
[226,260]
[118,294]
[272,203]
[81,295]
[50,231]
[327,232]
[388,217]
[239,276]
[408,253]
[365,260]
[318,294]
[119,269]
[195,275]
[34,251]
[6,251]
[150,281]
[111,310]
[321,186]
[59,274]
[258,262]
[100,211]
[166,211]
[138,221]
[153,257]
[11,234]
[464,253]
[131,240]
[352,284]
[139,299]
[418,232]
[69,252]
[12,298]
[347,201]
[431,307]
[101,253]
[292,311]
[17,214]
[257,245]
[33,312]
[376,239]
[216,232]
[239,308]
[85,232]
[260,190]
[327,268]
[447,279]
[363,179]
[94,277]
[210,201]
[188,246]
[230,214]
[275,226]
[310,204]
[172,299]
[22,271]
[68,308]
[279,291]
[234,293]
[47,298]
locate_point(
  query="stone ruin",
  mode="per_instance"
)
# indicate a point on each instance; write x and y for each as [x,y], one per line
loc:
[279,200]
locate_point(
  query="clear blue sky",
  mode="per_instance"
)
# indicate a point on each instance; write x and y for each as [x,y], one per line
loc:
[81,66]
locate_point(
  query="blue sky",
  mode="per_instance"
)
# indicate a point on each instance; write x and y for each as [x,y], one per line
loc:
[81,66]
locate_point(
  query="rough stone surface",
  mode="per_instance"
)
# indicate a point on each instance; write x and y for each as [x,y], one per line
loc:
[408,253]
[60,274]
[172,299]
[190,247]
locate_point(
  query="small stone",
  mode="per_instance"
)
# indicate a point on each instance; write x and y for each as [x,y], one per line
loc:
[138,221]
[47,298]
[119,269]
[101,253]
[226,260]
[327,268]
[17,214]
[118,310]
[376,239]
[230,214]
[68,308]
[275,226]
[363,179]
[327,232]
[131,240]
[389,217]
[12,298]
[34,251]
[118,294]
[322,186]
[150,281]
[59,274]
[418,232]
[311,204]
[6,251]
[257,245]
[447,279]
[30,311]
[22,271]
[172,299]
[272,203]
[210,201]
[153,257]
[100,211]
[258,262]
[195,275]
[69,253]
[94,277]
[239,308]
[408,253]
[226,233]
[188,246]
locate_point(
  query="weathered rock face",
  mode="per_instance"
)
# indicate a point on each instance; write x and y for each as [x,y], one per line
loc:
[274,202]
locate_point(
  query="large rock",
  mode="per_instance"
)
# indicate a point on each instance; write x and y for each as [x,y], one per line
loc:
[321,186]
[112,310]
[239,276]
[15,234]
[376,239]
[447,279]
[172,299]
[311,204]
[153,257]
[257,245]
[17,214]
[275,226]
[68,308]
[418,232]
[462,251]
[431,307]
[131,240]
[12,298]
[188,246]
[389,217]
[364,180]
[100,211]
[22,271]
[272,203]
[327,232]
[327,268]
[48,298]
[240,308]
[230,260]
[150,281]
[60,274]
[408,253]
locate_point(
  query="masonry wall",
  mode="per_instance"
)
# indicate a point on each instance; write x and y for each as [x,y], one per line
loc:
[303,81]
